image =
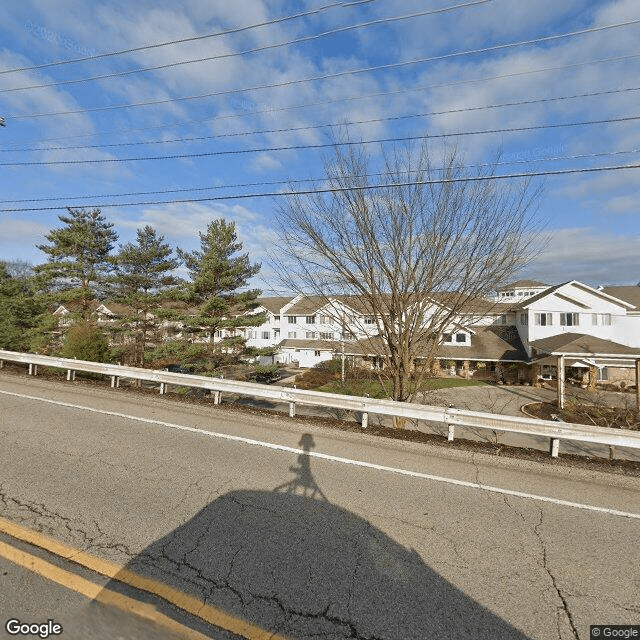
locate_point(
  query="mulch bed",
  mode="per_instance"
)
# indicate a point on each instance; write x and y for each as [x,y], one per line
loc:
[546,411]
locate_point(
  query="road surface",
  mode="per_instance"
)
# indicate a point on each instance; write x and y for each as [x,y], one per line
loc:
[207,522]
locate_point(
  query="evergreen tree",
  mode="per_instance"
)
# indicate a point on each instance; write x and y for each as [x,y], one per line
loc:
[86,341]
[218,274]
[79,259]
[20,311]
[143,281]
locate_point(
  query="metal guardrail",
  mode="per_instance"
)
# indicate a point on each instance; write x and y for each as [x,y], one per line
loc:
[555,431]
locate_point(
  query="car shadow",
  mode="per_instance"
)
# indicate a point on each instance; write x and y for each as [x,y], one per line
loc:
[292,563]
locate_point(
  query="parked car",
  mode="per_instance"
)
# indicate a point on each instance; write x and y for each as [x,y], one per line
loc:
[177,368]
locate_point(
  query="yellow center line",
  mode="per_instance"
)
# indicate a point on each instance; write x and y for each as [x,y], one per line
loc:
[95,591]
[190,604]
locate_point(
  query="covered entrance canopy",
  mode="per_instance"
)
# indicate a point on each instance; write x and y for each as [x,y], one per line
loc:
[578,349]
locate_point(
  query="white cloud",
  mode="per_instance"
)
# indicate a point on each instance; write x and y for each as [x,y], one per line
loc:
[590,256]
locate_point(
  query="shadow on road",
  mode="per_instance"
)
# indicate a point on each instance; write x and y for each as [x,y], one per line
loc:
[292,563]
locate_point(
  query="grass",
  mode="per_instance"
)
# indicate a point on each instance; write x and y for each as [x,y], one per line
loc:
[374,389]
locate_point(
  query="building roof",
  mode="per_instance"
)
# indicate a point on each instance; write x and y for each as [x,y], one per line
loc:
[523,304]
[307,305]
[499,343]
[523,284]
[627,294]
[582,345]
[274,303]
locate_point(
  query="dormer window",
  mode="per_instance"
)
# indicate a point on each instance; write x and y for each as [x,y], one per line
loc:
[461,337]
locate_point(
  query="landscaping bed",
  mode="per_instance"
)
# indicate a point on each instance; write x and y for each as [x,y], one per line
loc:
[579,412]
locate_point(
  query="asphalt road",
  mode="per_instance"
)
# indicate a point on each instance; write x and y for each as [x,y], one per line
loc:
[303,531]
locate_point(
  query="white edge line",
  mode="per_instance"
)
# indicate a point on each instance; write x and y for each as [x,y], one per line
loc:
[325,456]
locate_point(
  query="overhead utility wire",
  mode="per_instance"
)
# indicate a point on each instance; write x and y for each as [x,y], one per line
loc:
[167,43]
[206,154]
[581,156]
[222,56]
[325,126]
[510,176]
[354,98]
[328,76]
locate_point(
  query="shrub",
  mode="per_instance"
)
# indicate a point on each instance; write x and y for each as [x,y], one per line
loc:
[86,342]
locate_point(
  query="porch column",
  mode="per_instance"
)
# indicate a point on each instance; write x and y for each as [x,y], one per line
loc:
[593,377]
[465,368]
[638,384]
[560,376]
[536,371]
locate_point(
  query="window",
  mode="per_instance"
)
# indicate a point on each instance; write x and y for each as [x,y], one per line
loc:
[594,319]
[316,353]
[311,335]
[325,319]
[447,337]
[368,319]
[219,334]
[543,319]
[501,319]
[311,319]
[276,318]
[265,335]
[292,319]
[524,319]
[291,334]
[603,373]
[326,336]
[569,319]
[606,319]
[461,337]
[276,333]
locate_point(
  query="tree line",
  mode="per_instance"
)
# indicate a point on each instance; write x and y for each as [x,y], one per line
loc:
[83,267]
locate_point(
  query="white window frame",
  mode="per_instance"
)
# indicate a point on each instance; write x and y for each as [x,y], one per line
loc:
[569,319]
[543,319]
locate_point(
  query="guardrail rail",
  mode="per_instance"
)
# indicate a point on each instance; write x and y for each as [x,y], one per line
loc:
[555,431]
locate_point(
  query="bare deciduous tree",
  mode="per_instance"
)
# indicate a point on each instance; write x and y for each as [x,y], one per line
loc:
[416,244]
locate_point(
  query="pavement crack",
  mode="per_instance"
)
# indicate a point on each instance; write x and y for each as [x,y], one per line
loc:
[545,565]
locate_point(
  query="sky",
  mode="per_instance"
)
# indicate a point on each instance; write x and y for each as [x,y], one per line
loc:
[264,107]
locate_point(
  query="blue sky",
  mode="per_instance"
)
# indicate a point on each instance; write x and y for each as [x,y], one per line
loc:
[592,218]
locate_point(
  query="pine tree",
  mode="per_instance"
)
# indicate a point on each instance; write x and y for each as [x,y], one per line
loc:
[79,259]
[143,281]
[20,311]
[218,274]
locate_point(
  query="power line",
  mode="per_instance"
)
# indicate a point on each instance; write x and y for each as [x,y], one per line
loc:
[328,76]
[320,145]
[510,176]
[188,39]
[581,156]
[170,65]
[327,125]
[413,89]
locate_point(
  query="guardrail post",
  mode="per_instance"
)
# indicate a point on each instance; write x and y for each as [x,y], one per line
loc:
[1,364]
[115,381]
[217,397]
[162,388]
[451,427]
[292,409]
[554,447]
[365,420]
[71,374]
[30,369]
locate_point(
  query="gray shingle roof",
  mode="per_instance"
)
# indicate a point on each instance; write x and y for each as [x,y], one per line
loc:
[579,343]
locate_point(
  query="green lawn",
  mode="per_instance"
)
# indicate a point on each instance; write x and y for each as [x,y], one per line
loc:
[375,390]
